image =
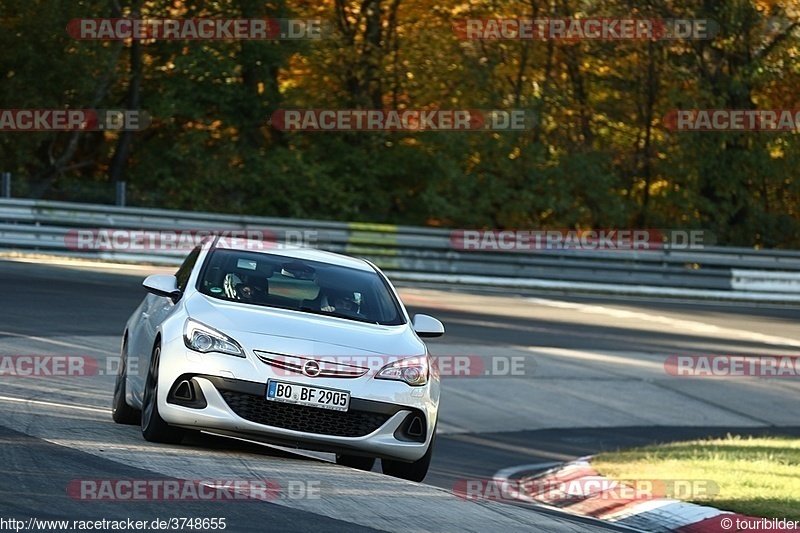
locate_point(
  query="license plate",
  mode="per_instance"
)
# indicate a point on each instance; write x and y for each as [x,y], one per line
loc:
[281,391]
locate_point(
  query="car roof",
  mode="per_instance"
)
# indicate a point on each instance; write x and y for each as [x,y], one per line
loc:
[295,252]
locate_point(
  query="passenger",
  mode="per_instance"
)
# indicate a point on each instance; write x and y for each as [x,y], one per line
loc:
[339,302]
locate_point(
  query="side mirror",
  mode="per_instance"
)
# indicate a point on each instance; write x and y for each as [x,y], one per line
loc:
[164,285]
[427,326]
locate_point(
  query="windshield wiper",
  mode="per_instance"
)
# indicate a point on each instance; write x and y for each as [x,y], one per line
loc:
[338,315]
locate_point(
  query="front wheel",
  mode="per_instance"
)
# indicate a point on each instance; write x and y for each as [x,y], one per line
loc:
[415,471]
[121,412]
[154,428]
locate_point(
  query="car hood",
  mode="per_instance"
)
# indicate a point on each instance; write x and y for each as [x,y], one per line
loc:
[295,332]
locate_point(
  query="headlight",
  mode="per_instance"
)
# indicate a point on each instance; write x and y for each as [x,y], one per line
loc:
[413,371]
[201,338]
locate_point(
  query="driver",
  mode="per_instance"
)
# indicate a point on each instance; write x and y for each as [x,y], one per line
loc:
[252,290]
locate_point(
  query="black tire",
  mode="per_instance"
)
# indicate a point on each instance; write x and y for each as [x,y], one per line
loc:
[121,412]
[355,461]
[415,471]
[154,428]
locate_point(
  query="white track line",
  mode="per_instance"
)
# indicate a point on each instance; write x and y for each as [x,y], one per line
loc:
[53,404]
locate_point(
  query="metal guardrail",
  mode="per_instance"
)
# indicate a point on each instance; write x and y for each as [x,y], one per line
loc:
[417,253]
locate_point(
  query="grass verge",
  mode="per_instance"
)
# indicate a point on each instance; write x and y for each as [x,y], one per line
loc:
[752,476]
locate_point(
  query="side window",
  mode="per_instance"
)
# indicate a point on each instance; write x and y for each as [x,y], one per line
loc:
[185,270]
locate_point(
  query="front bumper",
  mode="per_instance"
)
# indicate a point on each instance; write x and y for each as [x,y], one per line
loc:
[239,407]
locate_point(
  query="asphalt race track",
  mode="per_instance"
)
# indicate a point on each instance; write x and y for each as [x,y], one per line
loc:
[589,376]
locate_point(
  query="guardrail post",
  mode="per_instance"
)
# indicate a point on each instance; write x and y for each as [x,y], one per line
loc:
[5,186]
[121,193]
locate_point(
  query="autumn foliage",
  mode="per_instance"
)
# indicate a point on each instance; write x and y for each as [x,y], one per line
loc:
[598,156]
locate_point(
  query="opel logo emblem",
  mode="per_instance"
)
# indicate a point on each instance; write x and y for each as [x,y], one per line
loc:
[311,369]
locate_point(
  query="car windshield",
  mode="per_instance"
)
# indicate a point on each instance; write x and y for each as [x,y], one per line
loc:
[308,286]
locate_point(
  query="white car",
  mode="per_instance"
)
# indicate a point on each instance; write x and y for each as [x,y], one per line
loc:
[295,347]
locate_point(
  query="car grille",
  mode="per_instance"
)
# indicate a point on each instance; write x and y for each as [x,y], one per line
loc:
[326,367]
[301,418]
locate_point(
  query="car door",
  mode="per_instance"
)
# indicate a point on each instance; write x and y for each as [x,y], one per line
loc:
[154,310]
